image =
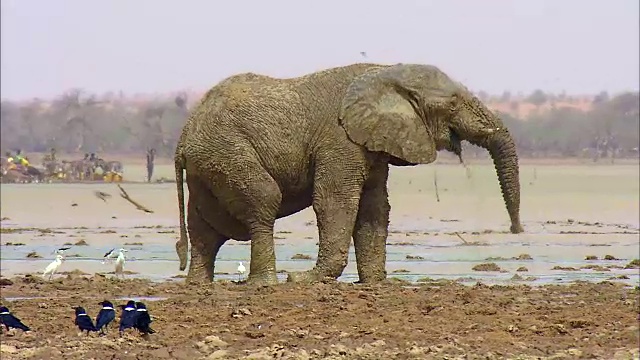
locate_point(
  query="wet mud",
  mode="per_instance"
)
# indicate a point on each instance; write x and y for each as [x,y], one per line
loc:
[225,320]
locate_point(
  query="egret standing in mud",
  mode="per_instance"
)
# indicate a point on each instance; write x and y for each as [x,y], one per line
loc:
[53,267]
[106,315]
[120,263]
[241,270]
[9,321]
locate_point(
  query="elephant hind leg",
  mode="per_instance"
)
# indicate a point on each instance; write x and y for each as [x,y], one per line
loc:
[252,197]
[205,244]
[371,229]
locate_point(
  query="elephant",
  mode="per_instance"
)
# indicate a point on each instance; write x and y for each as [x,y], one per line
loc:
[259,148]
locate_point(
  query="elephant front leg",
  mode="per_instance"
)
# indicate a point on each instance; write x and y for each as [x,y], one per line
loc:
[371,229]
[335,202]
[205,244]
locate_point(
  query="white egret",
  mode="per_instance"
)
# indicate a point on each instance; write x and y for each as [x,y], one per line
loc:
[120,263]
[241,270]
[53,267]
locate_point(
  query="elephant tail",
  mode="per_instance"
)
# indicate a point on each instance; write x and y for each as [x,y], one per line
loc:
[182,246]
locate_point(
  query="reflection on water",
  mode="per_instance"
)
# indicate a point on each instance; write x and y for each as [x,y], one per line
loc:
[410,257]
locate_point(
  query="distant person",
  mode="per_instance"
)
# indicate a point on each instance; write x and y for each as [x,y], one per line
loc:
[151,156]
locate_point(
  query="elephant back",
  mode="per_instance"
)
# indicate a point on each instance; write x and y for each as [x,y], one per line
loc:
[242,91]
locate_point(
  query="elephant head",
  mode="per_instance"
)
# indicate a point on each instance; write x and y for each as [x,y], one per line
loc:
[411,111]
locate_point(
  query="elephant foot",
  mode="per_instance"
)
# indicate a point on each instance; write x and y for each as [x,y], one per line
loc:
[517,229]
[306,277]
[198,277]
[268,279]
[371,278]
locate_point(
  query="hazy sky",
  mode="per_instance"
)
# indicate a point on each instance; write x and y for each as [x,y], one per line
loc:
[581,46]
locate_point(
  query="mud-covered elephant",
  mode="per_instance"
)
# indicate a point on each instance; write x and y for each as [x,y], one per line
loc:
[259,148]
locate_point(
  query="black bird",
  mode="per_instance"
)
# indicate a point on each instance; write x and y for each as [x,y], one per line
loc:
[128,317]
[143,319]
[106,315]
[62,250]
[102,195]
[84,321]
[9,321]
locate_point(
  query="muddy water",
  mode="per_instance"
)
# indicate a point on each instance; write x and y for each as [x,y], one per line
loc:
[569,212]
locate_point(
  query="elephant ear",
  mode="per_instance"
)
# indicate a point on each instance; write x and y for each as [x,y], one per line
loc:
[386,109]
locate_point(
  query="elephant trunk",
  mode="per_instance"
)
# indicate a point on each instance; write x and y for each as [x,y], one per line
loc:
[502,149]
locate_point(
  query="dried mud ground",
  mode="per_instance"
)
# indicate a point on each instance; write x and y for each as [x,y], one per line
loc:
[437,320]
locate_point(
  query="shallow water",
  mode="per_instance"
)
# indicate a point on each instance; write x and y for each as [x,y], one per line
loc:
[568,212]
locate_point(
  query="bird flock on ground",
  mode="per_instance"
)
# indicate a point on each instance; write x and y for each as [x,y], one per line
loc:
[134,316]
[53,267]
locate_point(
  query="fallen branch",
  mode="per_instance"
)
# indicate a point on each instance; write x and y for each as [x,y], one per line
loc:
[135,203]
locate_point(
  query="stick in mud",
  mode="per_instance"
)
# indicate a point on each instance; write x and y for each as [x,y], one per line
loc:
[435,183]
[461,238]
[135,203]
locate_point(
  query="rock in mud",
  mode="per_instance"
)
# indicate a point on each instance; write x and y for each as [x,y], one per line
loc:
[591,257]
[81,242]
[238,313]
[564,268]
[218,354]
[414,257]
[301,257]
[522,269]
[5,282]
[633,264]
[524,257]
[33,255]
[487,267]
[215,341]
[610,257]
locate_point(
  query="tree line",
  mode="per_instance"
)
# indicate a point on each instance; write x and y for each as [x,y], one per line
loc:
[80,122]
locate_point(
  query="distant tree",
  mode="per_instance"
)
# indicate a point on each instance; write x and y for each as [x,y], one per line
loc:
[506,96]
[602,97]
[482,95]
[537,98]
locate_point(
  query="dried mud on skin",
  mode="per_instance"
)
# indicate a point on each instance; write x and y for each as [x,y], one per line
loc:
[330,321]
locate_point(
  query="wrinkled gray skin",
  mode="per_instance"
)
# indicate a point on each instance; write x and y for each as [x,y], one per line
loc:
[258,148]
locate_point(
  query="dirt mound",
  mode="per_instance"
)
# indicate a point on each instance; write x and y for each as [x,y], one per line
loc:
[334,321]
